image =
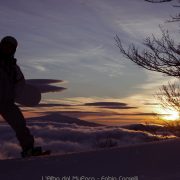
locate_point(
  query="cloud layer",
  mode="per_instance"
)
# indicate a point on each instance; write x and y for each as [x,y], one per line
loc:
[110,105]
[45,86]
[63,134]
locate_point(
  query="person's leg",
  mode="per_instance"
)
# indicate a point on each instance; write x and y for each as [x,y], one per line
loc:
[15,119]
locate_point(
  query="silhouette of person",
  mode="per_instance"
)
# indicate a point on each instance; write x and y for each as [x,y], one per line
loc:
[9,110]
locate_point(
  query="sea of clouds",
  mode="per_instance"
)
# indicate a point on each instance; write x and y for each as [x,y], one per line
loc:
[63,134]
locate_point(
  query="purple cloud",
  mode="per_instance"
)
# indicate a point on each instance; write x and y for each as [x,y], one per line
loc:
[44,85]
[110,105]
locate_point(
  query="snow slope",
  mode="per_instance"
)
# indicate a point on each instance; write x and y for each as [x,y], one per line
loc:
[148,161]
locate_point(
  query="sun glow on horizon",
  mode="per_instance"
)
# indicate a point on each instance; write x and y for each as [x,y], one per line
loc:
[171,115]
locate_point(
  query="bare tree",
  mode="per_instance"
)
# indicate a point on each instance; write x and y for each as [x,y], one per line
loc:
[161,55]
[169,96]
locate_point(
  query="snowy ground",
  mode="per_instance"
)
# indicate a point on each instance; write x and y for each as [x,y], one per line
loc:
[149,161]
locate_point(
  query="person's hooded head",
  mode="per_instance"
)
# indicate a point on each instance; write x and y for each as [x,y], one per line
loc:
[8,46]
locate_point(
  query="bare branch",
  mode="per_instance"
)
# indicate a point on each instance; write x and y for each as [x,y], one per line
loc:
[169,96]
[161,55]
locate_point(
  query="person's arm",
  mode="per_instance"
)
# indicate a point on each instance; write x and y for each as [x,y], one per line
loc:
[19,81]
[19,76]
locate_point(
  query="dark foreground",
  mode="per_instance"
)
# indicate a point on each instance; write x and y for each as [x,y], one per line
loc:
[150,161]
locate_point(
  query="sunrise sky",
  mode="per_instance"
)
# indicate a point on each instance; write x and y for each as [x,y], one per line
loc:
[73,41]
